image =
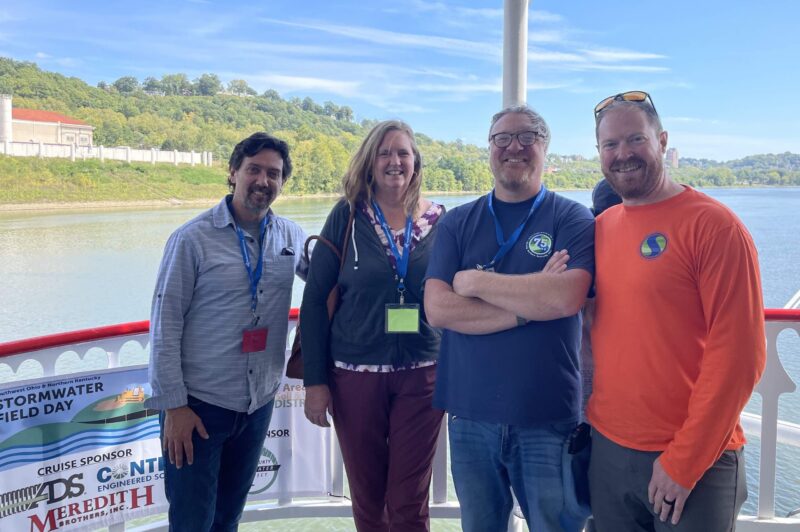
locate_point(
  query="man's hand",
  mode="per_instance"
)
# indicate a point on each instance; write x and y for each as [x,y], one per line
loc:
[557,263]
[318,404]
[666,495]
[179,424]
[464,282]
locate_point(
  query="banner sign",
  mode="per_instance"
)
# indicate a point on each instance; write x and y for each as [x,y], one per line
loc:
[82,452]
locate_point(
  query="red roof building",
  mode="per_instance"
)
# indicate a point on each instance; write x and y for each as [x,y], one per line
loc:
[48,127]
[34,115]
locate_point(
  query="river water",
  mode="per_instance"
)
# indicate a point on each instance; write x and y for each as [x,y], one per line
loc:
[68,270]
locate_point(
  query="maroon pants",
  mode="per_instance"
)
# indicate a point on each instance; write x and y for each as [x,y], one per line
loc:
[387,429]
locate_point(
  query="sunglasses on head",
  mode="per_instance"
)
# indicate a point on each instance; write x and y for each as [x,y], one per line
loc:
[630,96]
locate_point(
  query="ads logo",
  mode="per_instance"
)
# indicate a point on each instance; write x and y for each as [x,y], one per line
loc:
[266,472]
[50,492]
[540,244]
[653,246]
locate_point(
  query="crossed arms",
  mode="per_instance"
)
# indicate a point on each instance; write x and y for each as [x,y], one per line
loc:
[481,302]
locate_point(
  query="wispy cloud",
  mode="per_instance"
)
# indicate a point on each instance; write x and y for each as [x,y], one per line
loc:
[461,88]
[453,46]
[593,60]
[690,120]
[284,83]
[453,10]
[208,28]
[613,56]
[544,16]
[622,68]
[546,37]
[548,56]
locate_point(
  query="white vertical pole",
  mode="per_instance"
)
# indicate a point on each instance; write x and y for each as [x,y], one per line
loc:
[515,52]
[6,130]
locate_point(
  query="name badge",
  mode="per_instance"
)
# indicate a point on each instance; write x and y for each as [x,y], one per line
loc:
[254,340]
[401,318]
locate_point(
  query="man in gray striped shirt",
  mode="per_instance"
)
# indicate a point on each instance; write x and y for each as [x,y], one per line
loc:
[217,338]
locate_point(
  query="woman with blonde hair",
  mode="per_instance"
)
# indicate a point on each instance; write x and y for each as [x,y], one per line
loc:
[373,366]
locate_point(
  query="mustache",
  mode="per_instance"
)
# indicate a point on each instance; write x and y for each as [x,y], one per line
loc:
[634,160]
[260,188]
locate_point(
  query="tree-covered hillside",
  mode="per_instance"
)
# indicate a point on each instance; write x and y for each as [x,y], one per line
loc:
[174,112]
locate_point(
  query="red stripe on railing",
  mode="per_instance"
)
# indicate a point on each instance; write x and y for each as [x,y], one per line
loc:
[782,314]
[137,327]
[73,337]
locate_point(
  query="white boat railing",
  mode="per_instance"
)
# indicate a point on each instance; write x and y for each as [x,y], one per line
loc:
[794,302]
[48,351]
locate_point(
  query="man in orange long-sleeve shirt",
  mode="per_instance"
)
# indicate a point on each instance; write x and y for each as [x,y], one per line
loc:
[678,339]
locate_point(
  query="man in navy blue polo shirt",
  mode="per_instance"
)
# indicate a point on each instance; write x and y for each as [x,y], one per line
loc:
[506,280]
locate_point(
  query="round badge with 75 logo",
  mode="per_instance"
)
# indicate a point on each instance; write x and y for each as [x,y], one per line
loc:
[540,244]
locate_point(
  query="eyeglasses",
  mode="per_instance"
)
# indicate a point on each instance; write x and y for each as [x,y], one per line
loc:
[525,138]
[630,96]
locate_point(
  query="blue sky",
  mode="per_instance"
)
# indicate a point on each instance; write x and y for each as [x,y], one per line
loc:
[723,74]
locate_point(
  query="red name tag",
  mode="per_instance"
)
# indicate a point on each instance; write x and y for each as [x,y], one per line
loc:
[254,340]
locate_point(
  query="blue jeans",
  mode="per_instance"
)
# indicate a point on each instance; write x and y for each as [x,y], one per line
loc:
[488,460]
[210,494]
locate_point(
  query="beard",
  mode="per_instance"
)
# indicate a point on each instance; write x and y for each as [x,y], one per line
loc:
[259,198]
[638,184]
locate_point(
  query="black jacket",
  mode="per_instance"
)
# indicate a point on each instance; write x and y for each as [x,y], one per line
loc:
[357,335]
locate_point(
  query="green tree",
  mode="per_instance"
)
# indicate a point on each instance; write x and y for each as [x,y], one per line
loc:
[152,85]
[344,113]
[207,85]
[176,85]
[127,85]
[271,94]
[239,87]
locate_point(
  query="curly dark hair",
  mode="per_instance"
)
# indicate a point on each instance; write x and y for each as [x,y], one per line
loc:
[253,145]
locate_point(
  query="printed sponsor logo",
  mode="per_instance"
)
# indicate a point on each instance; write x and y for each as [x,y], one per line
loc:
[50,492]
[540,244]
[653,246]
[266,472]
[124,474]
[88,510]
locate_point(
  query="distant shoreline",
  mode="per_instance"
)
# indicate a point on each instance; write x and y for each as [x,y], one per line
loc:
[91,205]
[98,205]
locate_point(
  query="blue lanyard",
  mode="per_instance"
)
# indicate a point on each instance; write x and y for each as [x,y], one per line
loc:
[253,273]
[506,245]
[402,260]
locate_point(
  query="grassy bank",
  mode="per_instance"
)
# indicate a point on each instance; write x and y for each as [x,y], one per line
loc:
[33,183]
[27,180]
